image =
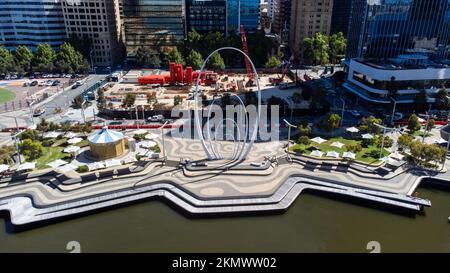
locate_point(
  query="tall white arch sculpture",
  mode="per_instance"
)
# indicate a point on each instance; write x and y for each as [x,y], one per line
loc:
[243,153]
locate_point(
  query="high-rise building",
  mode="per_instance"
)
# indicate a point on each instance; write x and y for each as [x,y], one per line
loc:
[31,22]
[384,29]
[242,12]
[340,16]
[307,18]
[206,15]
[153,23]
[99,22]
[401,44]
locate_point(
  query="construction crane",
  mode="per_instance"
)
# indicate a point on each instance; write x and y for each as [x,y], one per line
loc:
[247,62]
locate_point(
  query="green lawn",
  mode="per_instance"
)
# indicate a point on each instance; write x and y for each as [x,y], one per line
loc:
[50,154]
[367,155]
[82,143]
[6,95]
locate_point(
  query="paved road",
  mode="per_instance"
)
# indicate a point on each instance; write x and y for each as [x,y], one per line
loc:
[61,100]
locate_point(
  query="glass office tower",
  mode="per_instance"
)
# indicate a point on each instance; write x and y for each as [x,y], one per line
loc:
[206,15]
[152,23]
[31,22]
[242,12]
[398,44]
[381,29]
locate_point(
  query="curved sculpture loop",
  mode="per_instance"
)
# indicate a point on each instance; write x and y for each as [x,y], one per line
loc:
[248,141]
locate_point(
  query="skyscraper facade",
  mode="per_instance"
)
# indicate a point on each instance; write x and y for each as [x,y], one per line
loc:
[243,12]
[153,23]
[398,44]
[99,22]
[206,15]
[340,16]
[31,22]
[307,18]
[386,28]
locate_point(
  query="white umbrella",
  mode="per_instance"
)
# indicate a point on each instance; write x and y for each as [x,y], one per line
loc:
[3,167]
[129,159]
[349,155]
[333,154]
[95,166]
[337,144]
[70,135]
[146,153]
[421,120]
[112,162]
[71,149]
[441,141]
[57,163]
[316,153]
[27,166]
[148,144]
[367,136]
[318,140]
[151,136]
[397,155]
[66,168]
[51,135]
[388,160]
[140,132]
[352,129]
[74,140]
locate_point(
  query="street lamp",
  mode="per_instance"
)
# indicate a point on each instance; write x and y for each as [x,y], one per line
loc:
[289,135]
[32,112]
[392,94]
[163,142]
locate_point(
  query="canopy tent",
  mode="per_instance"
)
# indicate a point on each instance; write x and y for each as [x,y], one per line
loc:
[57,163]
[71,149]
[112,163]
[318,140]
[151,136]
[337,144]
[397,155]
[352,130]
[74,140]
[70,135]
[66,168]
[129,159]
[26,166]
[333,154]
[147,144]
[388,160]
[3,168]
[95,166]
[367,136]
[441,141]
[421,120]
[349,155]
[51,135]
[316,153]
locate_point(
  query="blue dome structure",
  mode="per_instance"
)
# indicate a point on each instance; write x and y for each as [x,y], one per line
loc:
[105,136]
[106,144]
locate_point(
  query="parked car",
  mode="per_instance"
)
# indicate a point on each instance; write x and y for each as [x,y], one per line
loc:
[39,111]
[56,83]
[156,118]
[34,83]
[355,113]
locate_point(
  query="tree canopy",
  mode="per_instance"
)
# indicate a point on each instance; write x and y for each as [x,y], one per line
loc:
[194,59]
[147,58]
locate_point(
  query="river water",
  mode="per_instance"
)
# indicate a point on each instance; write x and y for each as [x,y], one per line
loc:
[313,224]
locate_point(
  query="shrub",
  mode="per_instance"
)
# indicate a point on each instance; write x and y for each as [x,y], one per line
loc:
[48,142]
[304,140]
[31,149]
[82,169]
[354,147]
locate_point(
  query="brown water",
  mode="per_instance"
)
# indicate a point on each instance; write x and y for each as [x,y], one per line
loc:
[312,224]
